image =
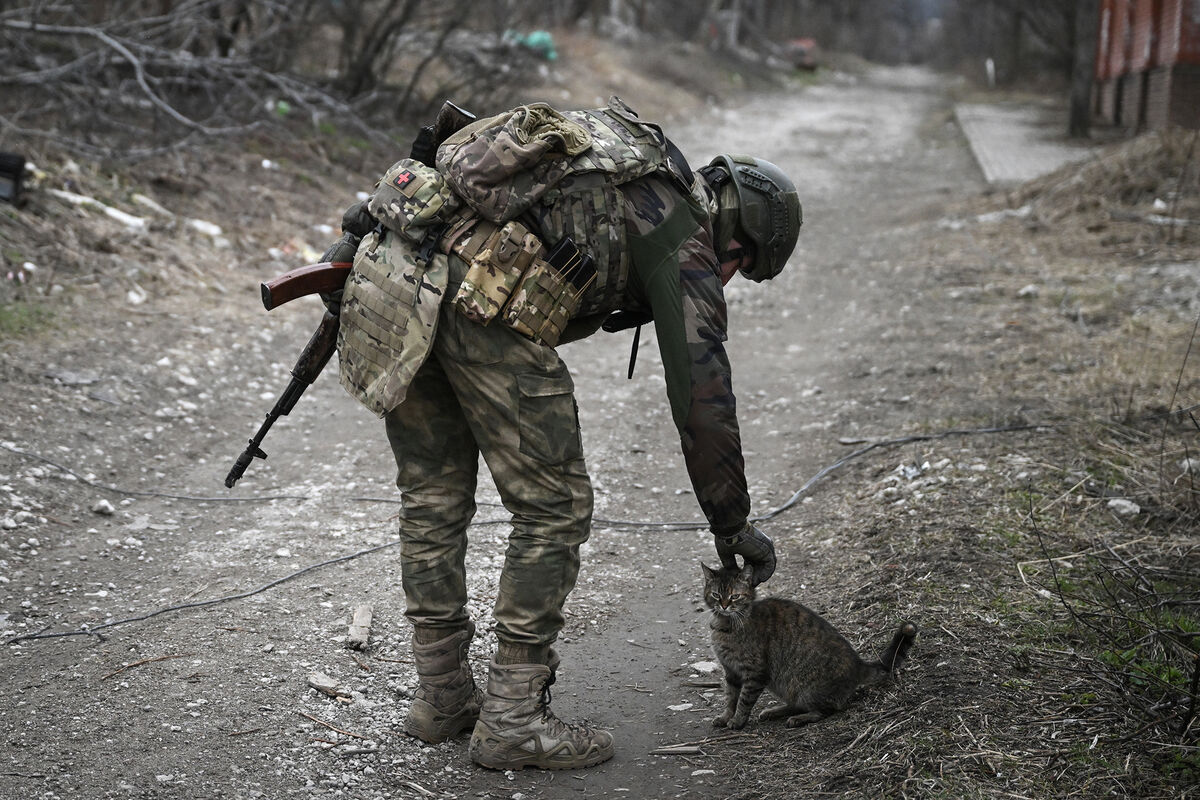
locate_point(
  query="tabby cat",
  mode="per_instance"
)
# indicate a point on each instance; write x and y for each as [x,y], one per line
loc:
[782,646]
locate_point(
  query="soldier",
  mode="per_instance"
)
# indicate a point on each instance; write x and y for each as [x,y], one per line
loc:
[430,341]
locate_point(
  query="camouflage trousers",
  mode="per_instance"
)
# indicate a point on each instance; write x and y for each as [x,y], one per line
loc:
[488,390]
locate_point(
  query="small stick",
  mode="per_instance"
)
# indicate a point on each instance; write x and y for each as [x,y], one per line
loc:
[143,661]
[418,787]
[1080,554]
[708,740]
[327,725]
[678,750]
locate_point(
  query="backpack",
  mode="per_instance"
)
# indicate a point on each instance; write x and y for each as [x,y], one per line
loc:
[559,173]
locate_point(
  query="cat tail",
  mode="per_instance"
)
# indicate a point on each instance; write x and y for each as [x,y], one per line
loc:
[894,654]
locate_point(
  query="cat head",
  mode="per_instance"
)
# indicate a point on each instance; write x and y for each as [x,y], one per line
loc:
[729,591]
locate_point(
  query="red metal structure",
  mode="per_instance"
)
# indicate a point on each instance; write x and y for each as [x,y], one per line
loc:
[1148,64]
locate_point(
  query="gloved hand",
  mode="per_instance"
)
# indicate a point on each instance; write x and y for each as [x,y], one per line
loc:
[358,220]
[753,546]
[342,250]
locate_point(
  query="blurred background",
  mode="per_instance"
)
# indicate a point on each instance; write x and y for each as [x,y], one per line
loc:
[129,78]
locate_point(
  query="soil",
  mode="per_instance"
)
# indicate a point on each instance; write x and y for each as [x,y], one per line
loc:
[903,312]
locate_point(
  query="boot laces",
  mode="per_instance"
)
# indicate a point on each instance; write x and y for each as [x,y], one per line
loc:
[575,729]
[544,698]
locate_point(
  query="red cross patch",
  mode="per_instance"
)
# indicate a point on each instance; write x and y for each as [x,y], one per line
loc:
[403,178]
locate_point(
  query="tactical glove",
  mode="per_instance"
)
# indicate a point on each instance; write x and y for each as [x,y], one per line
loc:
[342,250]
[753,546]
[358,220]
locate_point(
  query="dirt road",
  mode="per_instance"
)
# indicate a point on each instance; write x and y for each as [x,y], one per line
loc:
[212,701]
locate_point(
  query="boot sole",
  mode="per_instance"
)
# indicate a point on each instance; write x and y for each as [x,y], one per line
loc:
[492,761]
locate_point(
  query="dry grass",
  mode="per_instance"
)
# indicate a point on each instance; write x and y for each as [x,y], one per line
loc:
[1059,637]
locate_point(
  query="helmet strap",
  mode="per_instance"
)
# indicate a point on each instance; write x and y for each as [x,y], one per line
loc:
[725,226]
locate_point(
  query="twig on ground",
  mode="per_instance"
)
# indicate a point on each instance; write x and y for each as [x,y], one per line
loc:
[1049,560]
[143,661]
[685,748]
[416,787]
[332,728]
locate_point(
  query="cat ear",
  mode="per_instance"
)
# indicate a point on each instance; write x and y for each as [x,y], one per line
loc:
[708,572]
[747,572]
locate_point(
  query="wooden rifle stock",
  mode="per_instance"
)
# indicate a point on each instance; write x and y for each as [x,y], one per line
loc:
[320,278]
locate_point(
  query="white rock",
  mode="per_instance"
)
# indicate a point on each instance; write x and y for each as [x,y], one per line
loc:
[104,508]
[204,227]
[1031,290]
[705,667]
[1190,465]
[680,707]
[1124,508]
[283,552]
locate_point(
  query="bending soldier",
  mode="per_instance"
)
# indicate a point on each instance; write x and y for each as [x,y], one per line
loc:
[449,323]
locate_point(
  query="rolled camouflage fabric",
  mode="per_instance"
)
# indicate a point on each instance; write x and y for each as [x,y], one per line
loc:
[411,197]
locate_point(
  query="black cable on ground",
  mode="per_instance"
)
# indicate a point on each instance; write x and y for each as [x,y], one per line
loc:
[94,630]
[799,493]
[143,493]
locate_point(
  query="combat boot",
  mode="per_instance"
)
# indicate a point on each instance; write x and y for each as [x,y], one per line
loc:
[447,701]
[517,729]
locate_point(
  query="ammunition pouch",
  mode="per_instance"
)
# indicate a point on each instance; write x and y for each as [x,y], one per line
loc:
[511,276]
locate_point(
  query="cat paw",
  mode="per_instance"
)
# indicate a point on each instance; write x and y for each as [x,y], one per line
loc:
[719,722]
[736,724]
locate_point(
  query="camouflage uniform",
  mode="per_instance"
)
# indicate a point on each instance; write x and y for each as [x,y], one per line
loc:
[489,390]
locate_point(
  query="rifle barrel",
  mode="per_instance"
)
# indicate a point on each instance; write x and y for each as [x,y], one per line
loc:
[313,358]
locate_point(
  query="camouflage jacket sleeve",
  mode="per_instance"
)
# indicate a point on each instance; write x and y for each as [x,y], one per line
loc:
[674,273]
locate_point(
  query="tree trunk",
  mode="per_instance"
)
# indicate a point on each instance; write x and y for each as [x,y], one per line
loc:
[1087,21]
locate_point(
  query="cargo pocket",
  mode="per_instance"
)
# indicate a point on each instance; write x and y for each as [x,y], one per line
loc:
[548,419]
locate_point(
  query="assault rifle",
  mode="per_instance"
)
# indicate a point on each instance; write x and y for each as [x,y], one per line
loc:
[329,277]
[325,277]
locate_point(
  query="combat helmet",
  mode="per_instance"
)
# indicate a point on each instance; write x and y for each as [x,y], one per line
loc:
[768,210]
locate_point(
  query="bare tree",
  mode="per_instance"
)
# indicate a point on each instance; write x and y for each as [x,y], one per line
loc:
[127,78]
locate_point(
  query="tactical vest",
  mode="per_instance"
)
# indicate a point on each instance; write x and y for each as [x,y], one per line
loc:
[556,173]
